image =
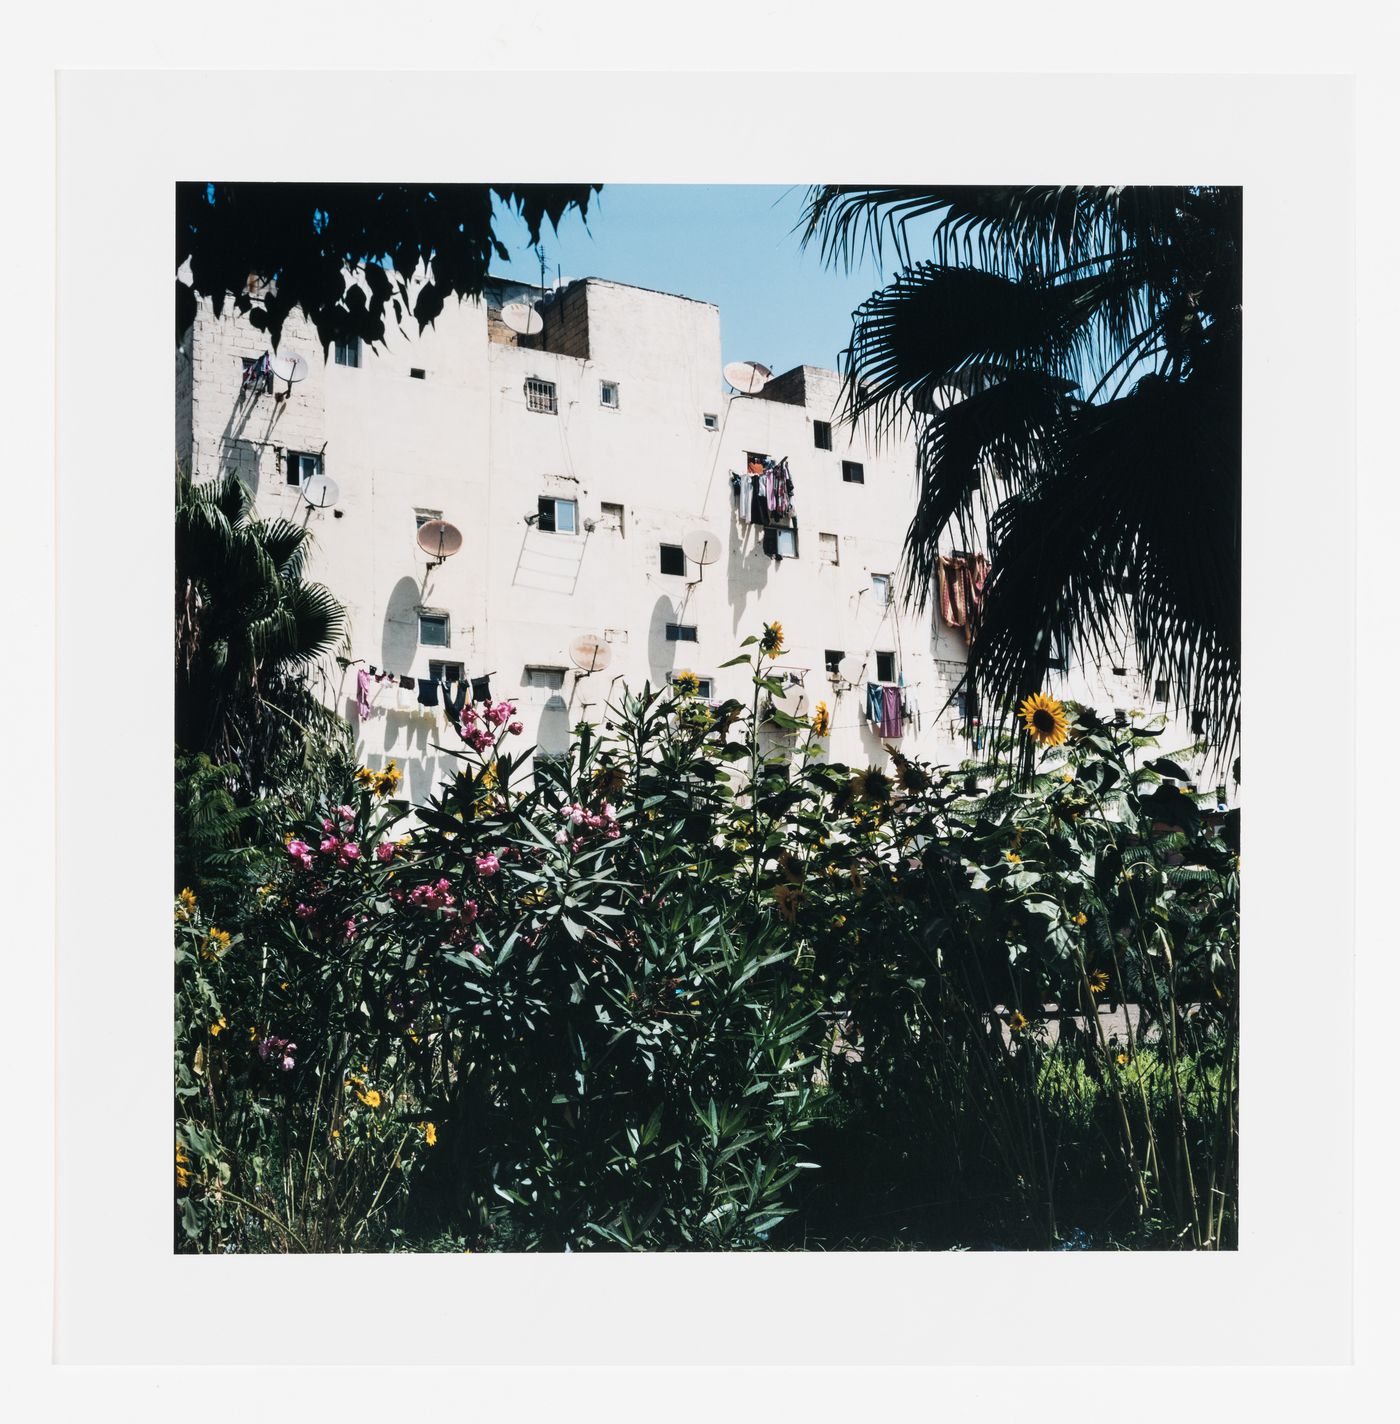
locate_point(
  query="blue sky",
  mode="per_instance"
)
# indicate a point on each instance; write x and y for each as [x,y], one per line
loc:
[731,244]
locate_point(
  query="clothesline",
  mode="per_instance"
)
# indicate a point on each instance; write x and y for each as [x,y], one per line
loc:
[428,689]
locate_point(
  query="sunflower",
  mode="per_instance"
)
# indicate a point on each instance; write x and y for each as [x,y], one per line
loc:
[686,684]
[910,775]
[1045,720]
[772,640]
[821,721]
[387,781]
[610,780]
[1122,1059]
[185,904]
[788,898]
[1098,981]
[872,785]
[1081,918]
[1018,1022]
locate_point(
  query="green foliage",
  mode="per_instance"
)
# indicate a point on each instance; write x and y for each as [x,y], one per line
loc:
[690,986]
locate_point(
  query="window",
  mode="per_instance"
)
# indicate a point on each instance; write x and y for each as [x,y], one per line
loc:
[301,466]
[612,517]
[673,559]
[432,630]
[1159,690]
[424,515]
[417,373]
[1198,722]
[347,353]
[550,678]
[262,383]
[880,587]
[852,472]
[833,661]
[756,460]
[607,394]
[786,543]
[821,434]
[541,396]
[1119,671]
[681,633]
[705,685]
[447,672]
[884,667]
[831,549]
[557,516]
[1060,661]
[711,421]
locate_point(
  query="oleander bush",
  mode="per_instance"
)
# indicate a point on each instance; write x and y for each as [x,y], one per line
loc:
[692,986]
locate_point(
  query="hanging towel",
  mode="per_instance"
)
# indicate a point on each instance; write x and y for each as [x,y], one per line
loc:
[362,680]
[454,698]
[892,720]
[481,688]
[874,703]
[428,691]
[407,683]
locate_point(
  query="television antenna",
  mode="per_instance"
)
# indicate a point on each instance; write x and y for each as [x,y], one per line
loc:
[439,540]
[747,378]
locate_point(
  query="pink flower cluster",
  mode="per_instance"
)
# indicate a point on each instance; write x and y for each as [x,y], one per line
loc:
[346,852]
[278,1052]
[433,897]
[582,820]
[478,729]
[487,864]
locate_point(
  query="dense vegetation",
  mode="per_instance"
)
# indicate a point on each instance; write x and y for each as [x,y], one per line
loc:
[693,987]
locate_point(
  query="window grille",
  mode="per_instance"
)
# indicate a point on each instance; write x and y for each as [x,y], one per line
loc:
[541,396]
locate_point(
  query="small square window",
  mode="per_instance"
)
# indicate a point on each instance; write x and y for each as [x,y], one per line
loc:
[1198,722]
[884,667]
[821,434]
[880,587]
[549,678]
[830,549]
[257,375]
[852,472]
[612,517]
[1159,690]
[541,396]
[447,672]
[786,543]
[1119,671]
[417,373]
[347,353]
[432,630]
[557,516]
[681,633]
[301,466]
[422,516]
[673,559]
[711,421]
[607,394]
[833,661]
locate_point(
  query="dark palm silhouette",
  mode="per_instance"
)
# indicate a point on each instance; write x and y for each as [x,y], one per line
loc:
[1069,360]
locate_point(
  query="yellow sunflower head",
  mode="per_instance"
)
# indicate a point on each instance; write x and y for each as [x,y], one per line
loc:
[1098,981]
[772,640]
[821,721]
[686,684]
[1046,723]
[1018,1022]
[872,785]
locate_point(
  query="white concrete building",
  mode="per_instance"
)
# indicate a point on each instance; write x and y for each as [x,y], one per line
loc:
[613,425]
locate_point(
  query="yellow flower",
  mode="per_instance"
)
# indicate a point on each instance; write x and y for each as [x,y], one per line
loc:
[1013,857]
[215,943]
[429,1133]
[1098,981]
[1122,1059]
[1066,776]
[1081,918]
[1045,720]
[872,785]
[387,781]
[1018,1021]
[686,684]
[821,721]
[365,777]
[215,1029]
[185,904]
[772,640]
[788,898]
[371,1099]
[182,1167]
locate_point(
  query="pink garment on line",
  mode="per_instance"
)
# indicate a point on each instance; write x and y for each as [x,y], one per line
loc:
[362,681]
[892,720]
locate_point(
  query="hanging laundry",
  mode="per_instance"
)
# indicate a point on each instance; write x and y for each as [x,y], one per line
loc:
[961,581]
[892,712]
[454,698]
[362,681]
[428,691]
[481,688]
[874,703]
[407,683]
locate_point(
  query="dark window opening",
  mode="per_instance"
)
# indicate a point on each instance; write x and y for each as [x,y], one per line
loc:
[821,434]
[673,559]
[833,660]
[301,466]
[681,633]
[557,516]
[347,353]
[1198,722]
[432,630]
[1119,671]
[1159,690]
[884,667]
[852,472]
[447,672]
[417,373]
[262,385]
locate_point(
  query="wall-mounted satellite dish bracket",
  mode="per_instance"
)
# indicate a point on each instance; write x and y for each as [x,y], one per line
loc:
[702,546]
[439,540]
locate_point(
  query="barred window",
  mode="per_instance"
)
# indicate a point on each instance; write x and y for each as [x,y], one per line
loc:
[541,396]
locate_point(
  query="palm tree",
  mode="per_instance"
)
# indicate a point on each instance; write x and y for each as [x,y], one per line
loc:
[248,628]
[1069,361]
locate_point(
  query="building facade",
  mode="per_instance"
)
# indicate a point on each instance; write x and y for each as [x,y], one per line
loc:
[582,465]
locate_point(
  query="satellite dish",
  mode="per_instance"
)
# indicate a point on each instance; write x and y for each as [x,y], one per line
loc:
[522,318]
[439,539]
[320,491]
[791,701]
[290,366]
[590,652]
[747,377]
[701,545]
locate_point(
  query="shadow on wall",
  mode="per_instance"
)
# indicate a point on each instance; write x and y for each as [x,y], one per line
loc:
[661,652]
[399,646]
[748,568]
[552,738]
